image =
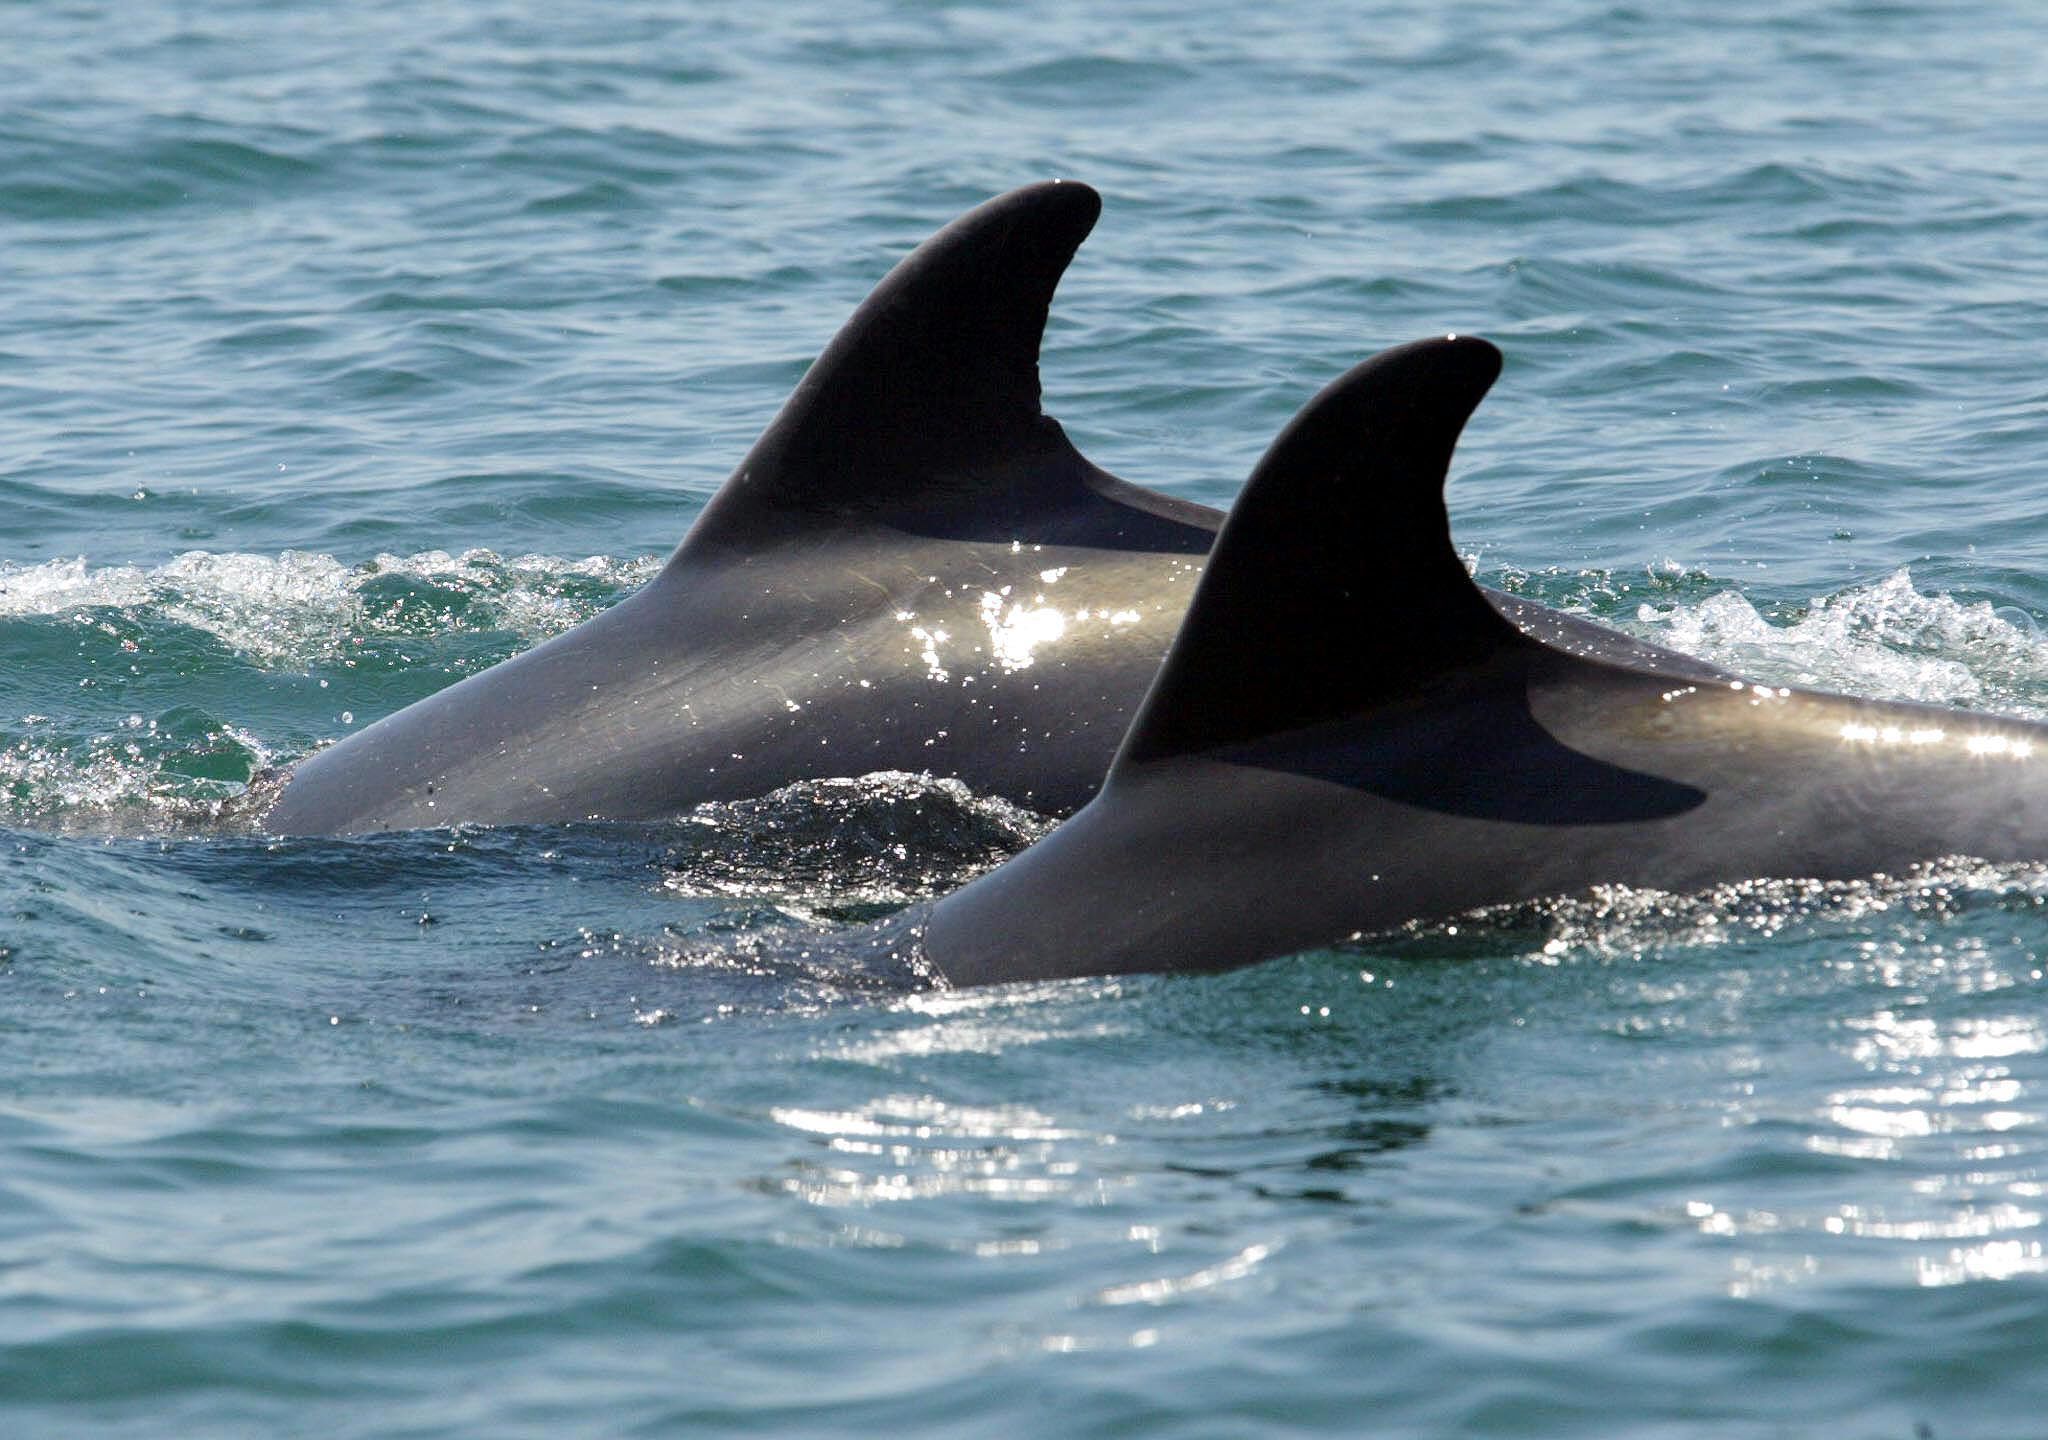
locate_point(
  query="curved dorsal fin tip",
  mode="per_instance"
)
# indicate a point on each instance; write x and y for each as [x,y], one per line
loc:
[1390,419]
[1057,213]
[932,382]
[1450,360]
[959,319]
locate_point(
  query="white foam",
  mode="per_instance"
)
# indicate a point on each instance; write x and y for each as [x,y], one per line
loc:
[59,585]
[1885,640]
[117,783]
[296,609]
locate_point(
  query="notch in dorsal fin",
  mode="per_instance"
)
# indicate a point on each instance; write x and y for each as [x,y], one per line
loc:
[931,384]
[1333,585]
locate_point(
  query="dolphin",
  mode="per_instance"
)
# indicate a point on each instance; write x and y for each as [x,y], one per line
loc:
[1346,736]
[912,569]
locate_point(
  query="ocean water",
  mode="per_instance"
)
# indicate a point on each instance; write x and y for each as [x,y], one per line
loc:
[345,350]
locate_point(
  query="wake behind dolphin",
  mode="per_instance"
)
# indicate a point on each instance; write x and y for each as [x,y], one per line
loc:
[1347,736]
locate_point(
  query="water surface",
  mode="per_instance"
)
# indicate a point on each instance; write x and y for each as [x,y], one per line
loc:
[346,350]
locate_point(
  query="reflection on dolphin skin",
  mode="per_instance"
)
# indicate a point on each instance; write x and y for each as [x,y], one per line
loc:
[912,570]
[1347,735]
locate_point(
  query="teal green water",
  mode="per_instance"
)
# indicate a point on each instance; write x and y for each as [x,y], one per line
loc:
[347,349]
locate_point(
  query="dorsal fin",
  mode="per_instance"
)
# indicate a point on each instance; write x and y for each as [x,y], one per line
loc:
[930,385]
[1333,585]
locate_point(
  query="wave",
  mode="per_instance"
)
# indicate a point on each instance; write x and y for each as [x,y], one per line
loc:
[1886,640]
[259,657]
[296,609]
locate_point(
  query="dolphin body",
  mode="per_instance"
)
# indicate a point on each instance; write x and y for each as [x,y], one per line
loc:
[912,569]
[1346,735]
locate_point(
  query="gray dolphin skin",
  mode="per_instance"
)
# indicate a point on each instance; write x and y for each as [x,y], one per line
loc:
[1347,736]
[913,569]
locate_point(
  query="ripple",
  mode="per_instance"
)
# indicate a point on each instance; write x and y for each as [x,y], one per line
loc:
[56,181]
[850,848]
